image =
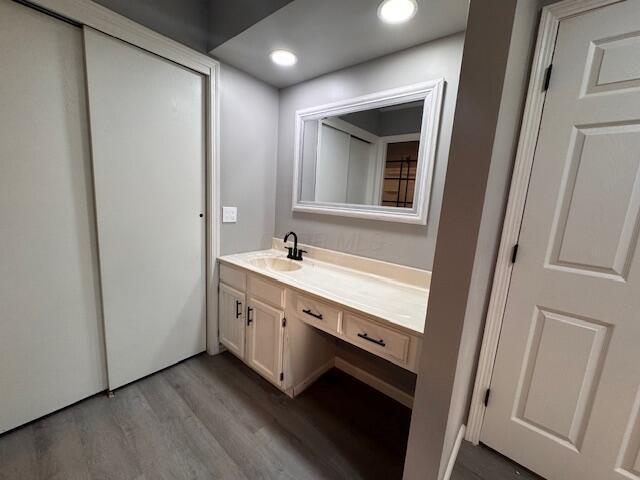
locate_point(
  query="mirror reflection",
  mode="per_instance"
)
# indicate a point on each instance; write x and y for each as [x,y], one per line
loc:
[368,157]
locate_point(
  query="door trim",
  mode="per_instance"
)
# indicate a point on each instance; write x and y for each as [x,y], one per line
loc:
[550,20]
[90,14]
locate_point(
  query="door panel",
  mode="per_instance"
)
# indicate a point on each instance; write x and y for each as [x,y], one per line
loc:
[232,320]
[147,129]
[51,342]
[565,389]
[558,404]
[629,460]
[601,190]
[265,340]
[614,64]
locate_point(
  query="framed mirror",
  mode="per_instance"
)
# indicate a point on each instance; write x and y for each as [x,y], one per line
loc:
[369,157]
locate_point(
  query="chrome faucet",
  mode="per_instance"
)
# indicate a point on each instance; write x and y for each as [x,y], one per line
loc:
[294,253]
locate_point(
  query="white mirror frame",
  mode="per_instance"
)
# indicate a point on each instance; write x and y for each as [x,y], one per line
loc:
[432,93]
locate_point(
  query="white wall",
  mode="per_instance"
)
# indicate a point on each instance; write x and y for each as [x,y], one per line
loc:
[400,243]
[248,143]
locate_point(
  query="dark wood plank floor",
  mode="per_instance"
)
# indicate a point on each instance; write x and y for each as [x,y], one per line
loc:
[212,417]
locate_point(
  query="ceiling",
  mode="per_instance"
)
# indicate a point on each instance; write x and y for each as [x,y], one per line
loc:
[328,35]
[228,18]
[200,24]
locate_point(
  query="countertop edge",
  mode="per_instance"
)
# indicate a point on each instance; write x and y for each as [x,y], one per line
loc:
[302,289]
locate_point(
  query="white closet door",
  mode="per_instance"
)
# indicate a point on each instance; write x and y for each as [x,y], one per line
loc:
[332,168]
[361,172]
[51,344]
[147,130]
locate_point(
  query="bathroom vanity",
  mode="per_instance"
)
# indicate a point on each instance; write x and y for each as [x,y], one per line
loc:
[282,316]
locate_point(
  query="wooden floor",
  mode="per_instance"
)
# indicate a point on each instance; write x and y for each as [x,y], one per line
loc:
[212,417]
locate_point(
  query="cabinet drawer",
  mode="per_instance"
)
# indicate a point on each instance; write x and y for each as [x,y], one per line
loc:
[318,314]
[268,292]
[233,277]
[376,338]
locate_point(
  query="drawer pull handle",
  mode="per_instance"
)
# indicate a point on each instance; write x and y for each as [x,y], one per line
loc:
[366,336]
[249,316]
[309,312]
[238,308]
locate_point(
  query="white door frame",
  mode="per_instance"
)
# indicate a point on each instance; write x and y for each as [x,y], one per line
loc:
[86,12]
[545,47]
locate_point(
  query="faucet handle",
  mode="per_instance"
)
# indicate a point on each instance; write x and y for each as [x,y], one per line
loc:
[290,254]
[300,252]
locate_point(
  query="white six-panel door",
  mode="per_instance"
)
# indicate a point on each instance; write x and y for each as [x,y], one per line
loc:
[147,128]
[51,341]
[565,394]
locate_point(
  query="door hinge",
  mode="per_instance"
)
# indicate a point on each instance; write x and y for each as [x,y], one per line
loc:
[281,376]
[284,322]
[487,394]
[514,253]
[547,78]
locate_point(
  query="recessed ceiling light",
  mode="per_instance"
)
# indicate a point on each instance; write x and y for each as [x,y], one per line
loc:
[397,11]
[284,58]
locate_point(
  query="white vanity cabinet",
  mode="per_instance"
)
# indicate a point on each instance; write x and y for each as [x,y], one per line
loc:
[264,340]
[251,321]
[287,332]
[232,319]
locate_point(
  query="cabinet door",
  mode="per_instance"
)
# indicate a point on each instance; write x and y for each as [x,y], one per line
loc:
[264,340]
[231,320]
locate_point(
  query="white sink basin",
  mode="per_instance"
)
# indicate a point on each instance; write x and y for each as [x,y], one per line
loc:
[275,263]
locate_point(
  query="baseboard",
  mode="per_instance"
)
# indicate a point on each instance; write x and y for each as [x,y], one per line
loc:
[302,386]
[454,453]
[374,382]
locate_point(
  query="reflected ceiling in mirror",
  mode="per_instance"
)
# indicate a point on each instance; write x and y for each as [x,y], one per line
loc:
[370,156]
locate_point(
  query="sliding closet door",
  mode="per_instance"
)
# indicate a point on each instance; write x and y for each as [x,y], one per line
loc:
[147,129]
[51,343]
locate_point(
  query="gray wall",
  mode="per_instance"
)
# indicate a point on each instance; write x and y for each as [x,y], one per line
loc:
[185,21]
[482,76]
[503,156]
[248,143]
[396,242]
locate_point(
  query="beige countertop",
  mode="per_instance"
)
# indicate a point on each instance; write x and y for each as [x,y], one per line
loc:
[388,298]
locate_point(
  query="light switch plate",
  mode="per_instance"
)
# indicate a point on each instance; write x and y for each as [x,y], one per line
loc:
[229,214]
